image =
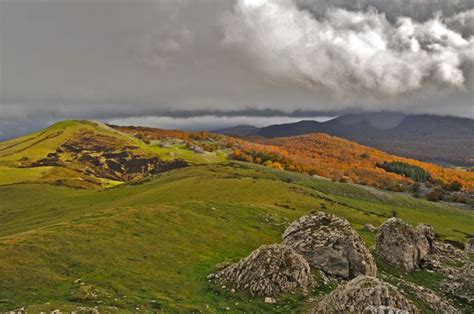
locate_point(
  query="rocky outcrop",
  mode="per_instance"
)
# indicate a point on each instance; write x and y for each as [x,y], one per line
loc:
[442,258]
[461,283]
[403,246]
[430,298]
[268,271]
[331,244]
[365,294]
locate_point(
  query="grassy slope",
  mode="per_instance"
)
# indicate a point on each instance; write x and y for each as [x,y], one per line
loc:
[38,145]
[158,240]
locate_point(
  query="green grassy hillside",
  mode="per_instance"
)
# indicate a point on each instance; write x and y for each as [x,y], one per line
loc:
[87,154]
[150,246]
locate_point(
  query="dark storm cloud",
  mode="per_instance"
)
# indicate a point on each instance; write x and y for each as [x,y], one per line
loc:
[102,59]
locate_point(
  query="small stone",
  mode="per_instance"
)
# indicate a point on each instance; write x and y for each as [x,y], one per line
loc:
[232,290]
[270,300]
[369,228]
[211,276]
[469,246]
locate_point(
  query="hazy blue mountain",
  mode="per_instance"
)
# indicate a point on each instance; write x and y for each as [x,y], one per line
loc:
[239,130]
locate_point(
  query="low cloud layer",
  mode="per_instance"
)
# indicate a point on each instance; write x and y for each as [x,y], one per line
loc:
[124,60]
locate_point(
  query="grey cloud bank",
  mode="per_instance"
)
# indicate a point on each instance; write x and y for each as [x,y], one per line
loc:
[353,56]
[123,60]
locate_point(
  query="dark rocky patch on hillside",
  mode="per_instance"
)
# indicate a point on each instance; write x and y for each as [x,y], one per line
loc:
[104,157]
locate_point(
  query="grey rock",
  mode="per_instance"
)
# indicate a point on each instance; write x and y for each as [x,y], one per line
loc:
[270,300]
[331,244]
[442,256]
[429,297]
[365,294]
[403,246]
[381,309]
[370,228]
[469,246]
[85,309]
[269,271]
[461,283]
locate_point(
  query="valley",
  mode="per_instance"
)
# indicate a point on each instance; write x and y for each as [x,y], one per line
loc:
[149,242]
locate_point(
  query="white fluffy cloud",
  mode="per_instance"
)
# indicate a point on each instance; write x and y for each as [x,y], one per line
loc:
[352,55]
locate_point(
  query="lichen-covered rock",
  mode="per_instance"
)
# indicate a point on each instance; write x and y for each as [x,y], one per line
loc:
[331,244]
[403,246]
[426,231]
[461,283]
[268,271]
[429,297]
[365,294]
[443,257]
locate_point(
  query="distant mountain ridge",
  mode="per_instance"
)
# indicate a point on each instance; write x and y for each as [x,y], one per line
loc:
[240,130]
[441,139]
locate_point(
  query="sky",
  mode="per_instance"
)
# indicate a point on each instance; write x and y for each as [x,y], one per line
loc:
[211,63]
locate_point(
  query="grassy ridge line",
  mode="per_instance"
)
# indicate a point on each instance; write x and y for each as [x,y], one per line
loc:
[158,240]
[45,141]
[38,145]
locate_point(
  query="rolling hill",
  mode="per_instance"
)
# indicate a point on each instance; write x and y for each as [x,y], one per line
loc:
[146,240]
[150,246]
[336,158]
[86,154]
[445,140]
[317,154]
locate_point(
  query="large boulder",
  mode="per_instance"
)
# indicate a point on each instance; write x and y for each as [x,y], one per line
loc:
[330,243]
[365,294]
[268,271]
[403,246]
